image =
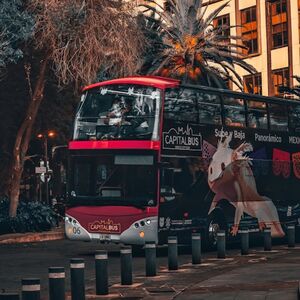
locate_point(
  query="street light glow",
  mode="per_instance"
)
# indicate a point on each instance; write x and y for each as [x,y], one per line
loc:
[51,133]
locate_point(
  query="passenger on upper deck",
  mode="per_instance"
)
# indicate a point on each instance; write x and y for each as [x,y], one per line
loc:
[114,115]
[125,118]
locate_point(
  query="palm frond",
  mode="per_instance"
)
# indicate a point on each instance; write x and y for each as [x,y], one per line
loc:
[191,48]
[215,13]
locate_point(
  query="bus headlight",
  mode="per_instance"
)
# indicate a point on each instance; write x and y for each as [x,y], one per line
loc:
[148,222]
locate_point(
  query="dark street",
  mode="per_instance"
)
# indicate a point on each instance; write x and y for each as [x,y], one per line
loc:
[258,275]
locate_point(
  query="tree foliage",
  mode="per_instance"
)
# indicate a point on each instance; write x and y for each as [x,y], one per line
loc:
[83,36]
[31,216]
[16,26]
[76,38]
[191,47]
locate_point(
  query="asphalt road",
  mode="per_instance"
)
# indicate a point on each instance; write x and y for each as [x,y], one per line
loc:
[260,275]
[32,260]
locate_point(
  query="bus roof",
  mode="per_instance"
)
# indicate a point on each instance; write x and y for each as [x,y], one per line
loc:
[154,81]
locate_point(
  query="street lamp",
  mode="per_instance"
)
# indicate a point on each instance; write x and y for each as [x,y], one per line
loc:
[44,136]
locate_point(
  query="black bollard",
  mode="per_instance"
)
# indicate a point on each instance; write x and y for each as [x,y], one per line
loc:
[244,241]
[31,289]
[77,279]
[267,239]
[172,253]
[101,264]
[126,265]
[9,296]
[221,244]
[196,248]
[150,255]
[291,236]
[297,233]
[56,283]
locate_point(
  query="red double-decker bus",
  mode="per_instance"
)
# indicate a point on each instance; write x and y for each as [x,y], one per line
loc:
[151,157]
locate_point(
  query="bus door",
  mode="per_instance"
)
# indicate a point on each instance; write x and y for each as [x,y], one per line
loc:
[174,210]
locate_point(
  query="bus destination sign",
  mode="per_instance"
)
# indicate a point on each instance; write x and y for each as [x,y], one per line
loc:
[183,138]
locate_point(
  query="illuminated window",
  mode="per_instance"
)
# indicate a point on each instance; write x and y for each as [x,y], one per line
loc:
[280,78]
[249,30]
[252,84]
[279,23]
[223,21]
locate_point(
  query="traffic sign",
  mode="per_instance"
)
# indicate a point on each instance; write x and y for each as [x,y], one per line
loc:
[40,170]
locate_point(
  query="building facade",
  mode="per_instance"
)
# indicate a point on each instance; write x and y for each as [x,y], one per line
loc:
[270,29]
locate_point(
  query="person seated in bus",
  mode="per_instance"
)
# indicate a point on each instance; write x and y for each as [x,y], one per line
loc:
[133,119]
[114,118]
[126,118]
[114,115]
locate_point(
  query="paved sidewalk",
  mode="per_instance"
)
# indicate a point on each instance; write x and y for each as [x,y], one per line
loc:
[30,237]
[259,275]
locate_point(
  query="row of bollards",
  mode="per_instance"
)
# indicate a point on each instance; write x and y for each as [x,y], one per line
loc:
[31,286]
[244,233]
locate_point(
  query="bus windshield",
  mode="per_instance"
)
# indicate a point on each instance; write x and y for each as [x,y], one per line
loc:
[118,112]
[113,180]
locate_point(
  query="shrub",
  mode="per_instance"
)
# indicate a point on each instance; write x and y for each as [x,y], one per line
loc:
[31,216]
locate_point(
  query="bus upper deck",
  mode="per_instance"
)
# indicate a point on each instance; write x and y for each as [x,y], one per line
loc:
[131,109]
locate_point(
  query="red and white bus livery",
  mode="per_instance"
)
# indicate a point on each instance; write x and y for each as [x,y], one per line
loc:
[152,157]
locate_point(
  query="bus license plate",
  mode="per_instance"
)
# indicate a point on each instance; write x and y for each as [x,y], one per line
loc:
[104,237]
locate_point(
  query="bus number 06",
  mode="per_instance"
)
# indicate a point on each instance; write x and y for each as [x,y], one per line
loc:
[76,230]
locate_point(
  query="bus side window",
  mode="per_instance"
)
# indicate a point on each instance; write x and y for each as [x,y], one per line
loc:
[278,117]
[180,105]
[294,115]
[257,114]
[209,107]
[234,111]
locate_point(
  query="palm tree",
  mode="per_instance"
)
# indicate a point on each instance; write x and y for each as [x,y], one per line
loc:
[295,91]
[190,47]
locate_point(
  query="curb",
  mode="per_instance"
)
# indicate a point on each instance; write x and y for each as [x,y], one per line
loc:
[30,237]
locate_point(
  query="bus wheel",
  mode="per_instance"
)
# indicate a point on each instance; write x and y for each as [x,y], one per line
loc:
[214,224]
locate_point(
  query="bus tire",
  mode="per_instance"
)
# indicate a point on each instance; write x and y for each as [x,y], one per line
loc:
[215,222]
